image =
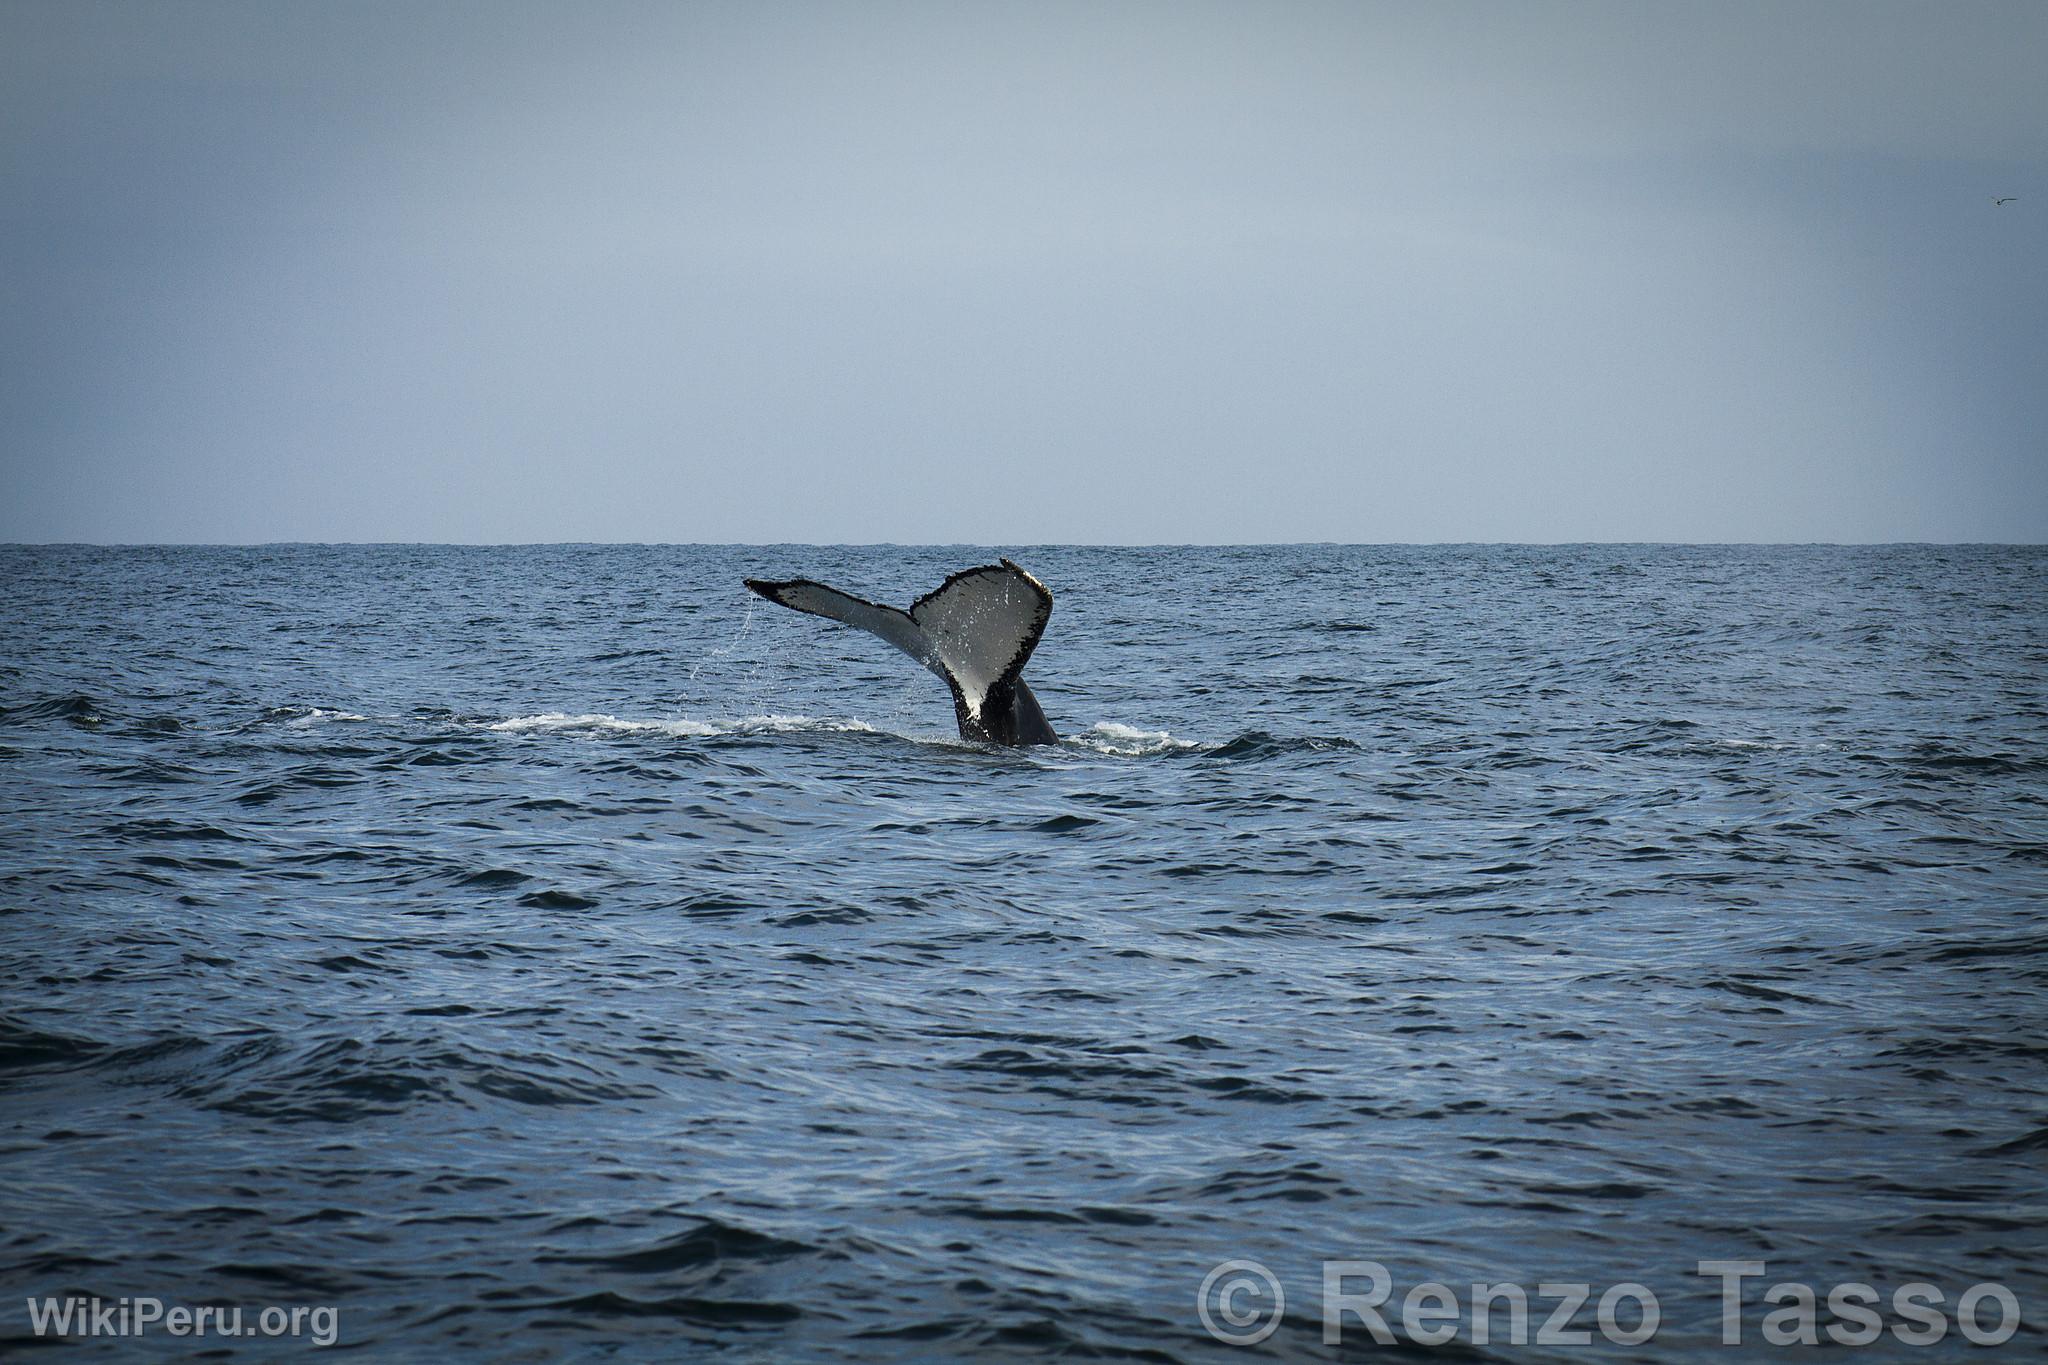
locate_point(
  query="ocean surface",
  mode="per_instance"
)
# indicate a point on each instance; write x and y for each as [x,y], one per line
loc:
[558,953]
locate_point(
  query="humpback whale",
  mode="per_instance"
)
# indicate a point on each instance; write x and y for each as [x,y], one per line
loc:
[976,630]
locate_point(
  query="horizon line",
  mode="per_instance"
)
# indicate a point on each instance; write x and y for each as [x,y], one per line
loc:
[990,544]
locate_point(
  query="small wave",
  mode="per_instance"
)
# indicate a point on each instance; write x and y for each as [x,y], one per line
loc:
[320,716]
[26,1049]
[710,1246]
[773,724]
[549,722]
[555,722]
[77,708]
[1710,746]
[297,718]
[1257,744]
[1107,736]
[1936,760]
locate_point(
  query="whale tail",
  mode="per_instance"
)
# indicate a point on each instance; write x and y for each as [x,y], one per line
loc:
[976,630]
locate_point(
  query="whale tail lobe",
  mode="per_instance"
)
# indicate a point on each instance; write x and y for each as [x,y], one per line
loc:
[976,631]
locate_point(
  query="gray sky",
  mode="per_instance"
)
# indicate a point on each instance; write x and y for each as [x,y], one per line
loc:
[1020,273]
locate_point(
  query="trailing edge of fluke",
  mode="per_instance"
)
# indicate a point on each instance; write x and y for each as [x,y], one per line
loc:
[976,630]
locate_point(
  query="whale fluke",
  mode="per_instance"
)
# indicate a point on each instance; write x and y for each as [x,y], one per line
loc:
[976,630]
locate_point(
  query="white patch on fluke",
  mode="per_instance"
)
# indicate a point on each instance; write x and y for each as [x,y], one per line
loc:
[979,625]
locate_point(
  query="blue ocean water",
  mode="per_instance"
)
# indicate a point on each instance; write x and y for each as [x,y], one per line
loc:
[556,952]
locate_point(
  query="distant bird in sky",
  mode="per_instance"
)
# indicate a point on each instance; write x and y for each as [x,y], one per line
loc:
[2010,198]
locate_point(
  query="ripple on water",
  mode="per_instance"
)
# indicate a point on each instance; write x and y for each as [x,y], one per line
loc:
[529,946]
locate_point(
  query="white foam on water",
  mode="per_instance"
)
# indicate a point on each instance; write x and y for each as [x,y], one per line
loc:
[1110,737]
[550,722]
[779,724]
[561,722]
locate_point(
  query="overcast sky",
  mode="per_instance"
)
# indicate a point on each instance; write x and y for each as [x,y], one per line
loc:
[1017,273]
